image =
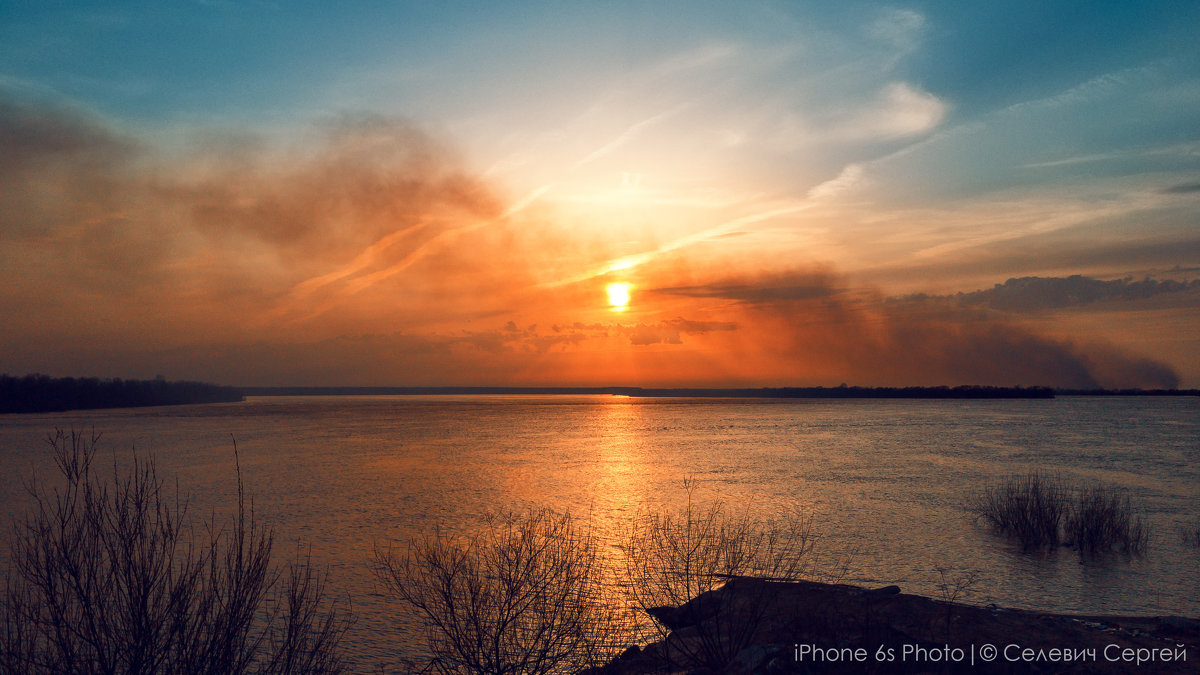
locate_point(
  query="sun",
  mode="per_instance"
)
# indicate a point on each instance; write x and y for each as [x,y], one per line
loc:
[618,295]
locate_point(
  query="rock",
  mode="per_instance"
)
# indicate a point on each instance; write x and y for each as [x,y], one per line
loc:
[844,616]
[630,661]
[630,653]
[698,609]
[667,616]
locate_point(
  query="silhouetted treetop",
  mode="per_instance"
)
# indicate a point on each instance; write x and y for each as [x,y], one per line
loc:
[42,393]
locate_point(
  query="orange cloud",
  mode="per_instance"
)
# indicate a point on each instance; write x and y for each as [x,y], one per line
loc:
[374,257]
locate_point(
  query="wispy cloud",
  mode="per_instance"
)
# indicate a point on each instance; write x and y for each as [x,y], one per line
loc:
[628,135]
[362,261]
[1068,161]
[717,232]
[1182,189]
[442,239]
[899,110]
[850,176]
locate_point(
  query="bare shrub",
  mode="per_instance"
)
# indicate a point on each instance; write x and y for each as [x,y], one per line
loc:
[953,586]
[1102,519]
[1191,535]
[691,571]
[115,577]
[1028,508]
[1043,512]
[525,596]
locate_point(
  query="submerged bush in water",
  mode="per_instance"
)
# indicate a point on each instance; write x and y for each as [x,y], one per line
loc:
[1191,535]
[1040,512]
[524,596]
[1028,508]
[1102,519]
[114,577]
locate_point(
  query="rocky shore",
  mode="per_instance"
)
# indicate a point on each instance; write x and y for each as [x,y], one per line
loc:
[807,627]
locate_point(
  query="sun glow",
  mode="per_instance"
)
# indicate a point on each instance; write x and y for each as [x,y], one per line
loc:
[618,295]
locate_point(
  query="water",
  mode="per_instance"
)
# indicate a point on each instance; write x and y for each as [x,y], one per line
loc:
[884,481]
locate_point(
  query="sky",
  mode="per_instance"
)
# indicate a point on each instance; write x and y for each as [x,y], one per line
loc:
[595,194]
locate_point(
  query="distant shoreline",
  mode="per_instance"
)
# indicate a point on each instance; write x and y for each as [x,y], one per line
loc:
[961,392]
[41,394]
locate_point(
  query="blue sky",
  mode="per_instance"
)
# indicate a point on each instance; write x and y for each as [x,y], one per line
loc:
[1071,88]
[158,61]
[922,147]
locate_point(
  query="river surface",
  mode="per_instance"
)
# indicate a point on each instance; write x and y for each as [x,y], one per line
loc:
[884,481]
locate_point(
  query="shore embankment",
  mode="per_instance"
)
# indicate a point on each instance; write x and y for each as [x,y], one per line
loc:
[809,627]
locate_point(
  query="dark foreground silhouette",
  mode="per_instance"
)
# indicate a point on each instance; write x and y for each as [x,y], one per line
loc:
[835,628]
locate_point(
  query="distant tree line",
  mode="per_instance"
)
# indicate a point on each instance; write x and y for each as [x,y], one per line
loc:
[1128,392]
[962,391]
[42,393]
[843,391]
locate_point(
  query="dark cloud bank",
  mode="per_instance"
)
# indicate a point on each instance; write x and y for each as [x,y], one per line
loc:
[815,317]
[1032,294]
